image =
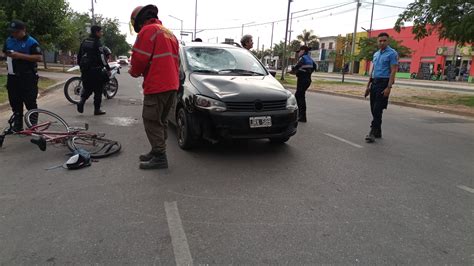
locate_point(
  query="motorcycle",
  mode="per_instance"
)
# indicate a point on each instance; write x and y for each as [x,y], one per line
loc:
[73,87]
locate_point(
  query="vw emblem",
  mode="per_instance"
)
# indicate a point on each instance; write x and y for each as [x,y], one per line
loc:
[258,106]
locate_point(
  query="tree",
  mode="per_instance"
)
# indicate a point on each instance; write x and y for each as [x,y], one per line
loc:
[307,37]
[294,45]
[116,41]
[368,46]
[453,19]
[43,18]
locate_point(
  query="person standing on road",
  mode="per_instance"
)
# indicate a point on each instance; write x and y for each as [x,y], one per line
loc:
[247,41]
[22,52]
[95,70]
[303,70]
[155,57]
[382,77]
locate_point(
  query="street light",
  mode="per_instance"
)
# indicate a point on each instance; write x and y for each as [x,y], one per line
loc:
[195,17]
[291,23]
[286,39]
[244,25]
[181,32]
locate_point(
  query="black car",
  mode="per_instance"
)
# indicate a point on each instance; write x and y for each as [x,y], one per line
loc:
[226,93]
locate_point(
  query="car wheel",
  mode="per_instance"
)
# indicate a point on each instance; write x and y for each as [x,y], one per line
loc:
[185,137]
[279,140]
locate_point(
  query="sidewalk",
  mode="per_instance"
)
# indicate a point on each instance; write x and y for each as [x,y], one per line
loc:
[412,83]
[58,78]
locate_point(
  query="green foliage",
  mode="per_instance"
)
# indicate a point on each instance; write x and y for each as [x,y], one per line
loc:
[368,46]
[116,41]
[307,37]
[453,19]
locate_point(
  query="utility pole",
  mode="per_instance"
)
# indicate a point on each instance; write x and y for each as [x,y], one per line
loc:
[258,43]
[286,39]
[354,38]
[195,17]
[371,18]
[271,40]
[291,23]
[93,15]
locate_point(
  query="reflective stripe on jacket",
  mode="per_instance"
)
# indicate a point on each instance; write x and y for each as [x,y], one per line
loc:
[155,55]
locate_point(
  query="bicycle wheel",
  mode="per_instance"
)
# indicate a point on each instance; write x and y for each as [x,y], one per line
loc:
[73,89]
[97,146]
[111,88]
[46,121]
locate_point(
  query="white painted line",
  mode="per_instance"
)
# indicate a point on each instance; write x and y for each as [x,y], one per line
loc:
[343,140]
[468,189]
[182,254]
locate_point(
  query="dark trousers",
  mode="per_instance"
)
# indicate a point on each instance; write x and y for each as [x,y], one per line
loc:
[93,82]
[22,90]
[156,108]
[378,102]
[302,85]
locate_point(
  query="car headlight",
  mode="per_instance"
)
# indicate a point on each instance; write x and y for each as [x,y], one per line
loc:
[207,103]
[291,103]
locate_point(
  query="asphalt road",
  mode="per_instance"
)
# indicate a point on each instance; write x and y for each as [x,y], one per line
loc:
[324,197]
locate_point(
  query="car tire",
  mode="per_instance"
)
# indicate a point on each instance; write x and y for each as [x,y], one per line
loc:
[279,140]
[183,129]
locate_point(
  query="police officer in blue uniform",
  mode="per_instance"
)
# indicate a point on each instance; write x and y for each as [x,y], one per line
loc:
[22,52]
[384,68]
[95,70]
[303,70]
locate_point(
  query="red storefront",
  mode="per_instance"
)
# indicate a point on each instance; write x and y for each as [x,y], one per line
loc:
[432,54]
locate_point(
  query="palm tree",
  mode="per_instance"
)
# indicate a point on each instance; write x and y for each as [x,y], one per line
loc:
[307,37]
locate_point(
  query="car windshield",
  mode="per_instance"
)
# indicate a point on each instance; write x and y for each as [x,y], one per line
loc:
[223,61]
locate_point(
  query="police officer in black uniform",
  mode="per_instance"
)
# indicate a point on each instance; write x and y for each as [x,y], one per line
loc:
[22,52]
[94,69]
[303,70]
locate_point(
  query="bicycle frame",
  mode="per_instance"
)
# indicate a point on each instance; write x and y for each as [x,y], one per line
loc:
[45,136]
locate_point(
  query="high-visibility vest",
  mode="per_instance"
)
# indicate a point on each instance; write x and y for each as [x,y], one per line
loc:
[155,55]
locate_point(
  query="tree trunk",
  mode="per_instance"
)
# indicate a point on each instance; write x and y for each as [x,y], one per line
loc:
[44,62]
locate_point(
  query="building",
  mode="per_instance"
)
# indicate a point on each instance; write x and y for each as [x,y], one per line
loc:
[430,56]
[326,55]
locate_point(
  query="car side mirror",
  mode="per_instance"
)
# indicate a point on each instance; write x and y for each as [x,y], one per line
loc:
[272,72]
[182,77]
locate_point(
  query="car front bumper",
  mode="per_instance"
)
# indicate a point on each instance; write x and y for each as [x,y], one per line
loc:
[236,125]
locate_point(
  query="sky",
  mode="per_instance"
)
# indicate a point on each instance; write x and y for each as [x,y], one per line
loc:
[213,15]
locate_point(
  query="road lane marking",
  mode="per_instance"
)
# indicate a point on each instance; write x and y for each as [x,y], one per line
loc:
[468,189]
[343,140]
[178,237]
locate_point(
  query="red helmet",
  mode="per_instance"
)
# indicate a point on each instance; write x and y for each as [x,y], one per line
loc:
[137,18]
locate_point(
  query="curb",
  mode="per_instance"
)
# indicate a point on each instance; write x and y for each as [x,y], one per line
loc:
[404,104]
[48,90]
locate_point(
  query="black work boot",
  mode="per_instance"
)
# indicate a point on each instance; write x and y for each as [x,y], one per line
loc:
[158,161]
[302,118]
[18,123]
[370,137]
[378,133]
[146,157]
[99,112]
[80,105]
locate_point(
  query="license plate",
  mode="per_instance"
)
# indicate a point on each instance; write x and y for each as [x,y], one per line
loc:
[260,121]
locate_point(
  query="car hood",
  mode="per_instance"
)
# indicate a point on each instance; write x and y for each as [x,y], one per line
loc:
[239,88]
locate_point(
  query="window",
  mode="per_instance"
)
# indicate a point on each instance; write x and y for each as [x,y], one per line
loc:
[404,67]
[323,45]
[330,46]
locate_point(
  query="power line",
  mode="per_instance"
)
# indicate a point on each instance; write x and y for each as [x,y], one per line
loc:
[327,8]
[385,5]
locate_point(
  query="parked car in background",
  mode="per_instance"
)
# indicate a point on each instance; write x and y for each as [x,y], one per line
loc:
[123,60]
[226,93]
